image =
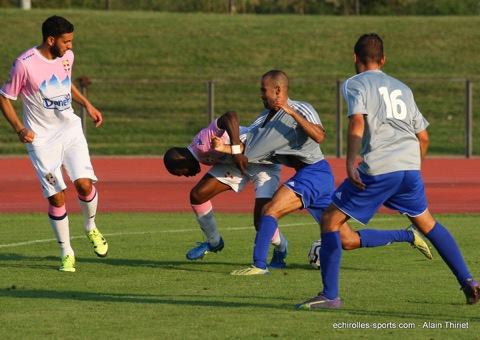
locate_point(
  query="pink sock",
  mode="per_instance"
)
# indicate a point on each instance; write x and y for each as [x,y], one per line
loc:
[202,209]
[90,196]
[57,213]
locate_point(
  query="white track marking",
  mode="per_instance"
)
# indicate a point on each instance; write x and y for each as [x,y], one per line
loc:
[172,231]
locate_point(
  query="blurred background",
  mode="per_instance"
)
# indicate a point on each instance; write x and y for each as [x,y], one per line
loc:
[160,70]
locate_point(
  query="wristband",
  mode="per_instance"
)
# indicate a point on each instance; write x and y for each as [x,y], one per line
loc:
[236,149]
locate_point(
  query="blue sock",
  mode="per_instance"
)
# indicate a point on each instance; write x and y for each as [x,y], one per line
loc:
[330,256]
[265,232]
[378,238]
[446,246]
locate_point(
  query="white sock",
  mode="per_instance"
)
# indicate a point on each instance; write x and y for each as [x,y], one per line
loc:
[59,222]
[88,204]
[206,219]
[279,241]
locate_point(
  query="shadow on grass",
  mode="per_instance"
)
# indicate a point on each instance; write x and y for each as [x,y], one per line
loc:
[173,300]
[12,260]
[217,302]
[169,264]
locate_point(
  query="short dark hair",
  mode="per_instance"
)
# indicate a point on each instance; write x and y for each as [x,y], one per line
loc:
[278,77]
[55,26]
[369,48]
[173,158]
[179,158]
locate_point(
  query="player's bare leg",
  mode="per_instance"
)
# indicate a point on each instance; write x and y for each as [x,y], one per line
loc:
[283,202]
[88,200]
[352,239]
[349,237]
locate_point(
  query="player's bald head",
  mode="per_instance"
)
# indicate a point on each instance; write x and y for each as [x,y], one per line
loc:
[369,49]
[277,78]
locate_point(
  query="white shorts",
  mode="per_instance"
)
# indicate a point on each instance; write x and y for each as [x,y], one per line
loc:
[70,150]
[265,177]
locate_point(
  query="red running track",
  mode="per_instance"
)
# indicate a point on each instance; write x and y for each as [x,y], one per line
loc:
[131,184]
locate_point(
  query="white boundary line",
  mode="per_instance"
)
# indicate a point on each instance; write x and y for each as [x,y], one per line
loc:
[172,231]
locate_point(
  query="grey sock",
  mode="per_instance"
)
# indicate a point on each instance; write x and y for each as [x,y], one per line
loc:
[209,227]
[283,243]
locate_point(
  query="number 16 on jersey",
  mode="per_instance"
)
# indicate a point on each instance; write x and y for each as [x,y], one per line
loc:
[396,107]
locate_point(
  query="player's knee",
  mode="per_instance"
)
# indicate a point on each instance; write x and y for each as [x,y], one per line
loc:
[197,196]
[349,244]
[325,220]
[57,200]
[272,210]
[83,186]
[266,209]
[327,223]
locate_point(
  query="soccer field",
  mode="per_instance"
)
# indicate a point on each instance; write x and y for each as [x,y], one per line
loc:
[146,288]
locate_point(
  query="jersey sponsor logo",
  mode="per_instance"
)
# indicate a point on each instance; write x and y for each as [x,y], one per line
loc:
[291,183]
[56,94]
[60,103]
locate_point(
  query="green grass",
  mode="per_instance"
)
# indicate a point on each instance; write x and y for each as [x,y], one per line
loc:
[146,289]
[149,69]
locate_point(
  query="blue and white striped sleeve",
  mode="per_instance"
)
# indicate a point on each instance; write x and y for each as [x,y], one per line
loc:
[308,112]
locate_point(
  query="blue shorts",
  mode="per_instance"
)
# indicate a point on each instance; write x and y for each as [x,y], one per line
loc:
[400,190]
[314,184]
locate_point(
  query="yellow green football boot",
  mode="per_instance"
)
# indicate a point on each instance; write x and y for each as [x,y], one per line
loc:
[100,245]
[68,264]
[252,270]
[419,243]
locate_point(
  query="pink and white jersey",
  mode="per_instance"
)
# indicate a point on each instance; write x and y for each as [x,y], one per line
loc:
[201,148]
[46,91]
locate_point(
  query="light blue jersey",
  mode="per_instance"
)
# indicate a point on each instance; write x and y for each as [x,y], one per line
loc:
[281,139]
[392,121]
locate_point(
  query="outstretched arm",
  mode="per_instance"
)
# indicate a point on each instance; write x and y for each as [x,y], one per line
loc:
[25,135]
[229,122]
[92,111]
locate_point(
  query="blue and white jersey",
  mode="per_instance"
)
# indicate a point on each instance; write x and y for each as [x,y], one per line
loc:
[281,139]
[392,120]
